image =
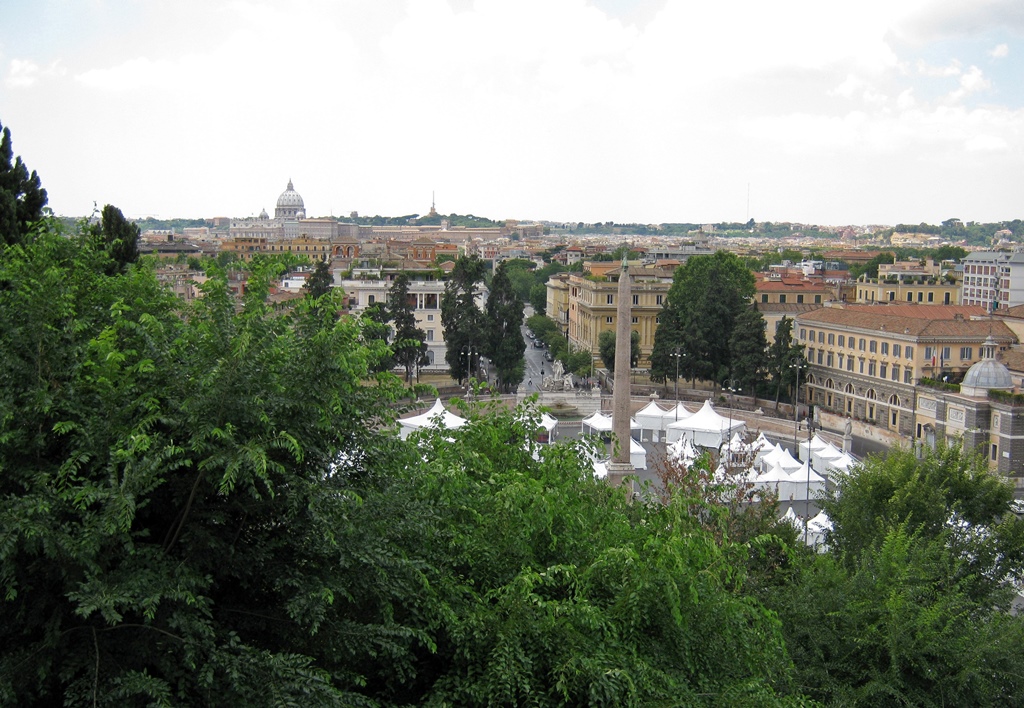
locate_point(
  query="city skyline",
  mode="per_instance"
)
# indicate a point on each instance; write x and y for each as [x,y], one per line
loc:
[643,111]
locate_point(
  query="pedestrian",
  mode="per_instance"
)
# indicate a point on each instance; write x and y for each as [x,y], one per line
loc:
[529,383]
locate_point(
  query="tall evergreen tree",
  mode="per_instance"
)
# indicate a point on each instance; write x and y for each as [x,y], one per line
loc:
[409,342]
[374,323]
[320,283]
[781,356]
[748,348]
[119,237]
[461,317]
[505,344]
[22,198]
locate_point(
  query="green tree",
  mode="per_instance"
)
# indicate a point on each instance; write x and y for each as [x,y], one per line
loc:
[505,344]
[374,333]
[606,347]
[539,298]
[22,197]
[409,343]
[870,269]
[782,354]
[461,317]
[707,294]
[320,282]
[911,603]
[748,349]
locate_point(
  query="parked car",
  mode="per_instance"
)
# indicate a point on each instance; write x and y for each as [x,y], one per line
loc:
[538,344]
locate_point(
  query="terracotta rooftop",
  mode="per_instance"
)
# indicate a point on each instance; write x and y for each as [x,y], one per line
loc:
[891,321]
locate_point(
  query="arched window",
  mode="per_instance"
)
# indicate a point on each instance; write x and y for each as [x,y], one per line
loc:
[894,400]
[830,384]
[870,395]
[848,389]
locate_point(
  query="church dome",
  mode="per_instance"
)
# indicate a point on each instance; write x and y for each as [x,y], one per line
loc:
[289,204]
[986,374]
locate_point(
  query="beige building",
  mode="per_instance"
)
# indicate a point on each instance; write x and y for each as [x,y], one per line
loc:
[592,303]
[865,361]
[919,291]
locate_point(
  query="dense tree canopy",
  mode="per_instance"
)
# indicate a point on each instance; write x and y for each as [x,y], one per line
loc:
[707,295]
[409,342]
[504,343]
[462,318]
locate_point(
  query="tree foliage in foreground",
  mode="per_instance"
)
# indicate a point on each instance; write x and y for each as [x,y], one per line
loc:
[910,606]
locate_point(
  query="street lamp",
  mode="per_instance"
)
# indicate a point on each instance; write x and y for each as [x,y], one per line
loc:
[676,354]
[469,351]
[731,389]
[797,364]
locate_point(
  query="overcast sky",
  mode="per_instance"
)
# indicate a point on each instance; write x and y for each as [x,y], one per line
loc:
[831,112]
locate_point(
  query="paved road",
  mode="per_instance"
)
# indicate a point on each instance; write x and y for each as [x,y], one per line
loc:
[536,365]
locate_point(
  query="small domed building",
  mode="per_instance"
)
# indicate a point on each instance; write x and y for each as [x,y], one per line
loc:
[987,413]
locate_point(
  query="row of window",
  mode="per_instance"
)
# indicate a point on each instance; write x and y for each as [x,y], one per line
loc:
[872,346]
[859,365]
[610,299]
[782,298]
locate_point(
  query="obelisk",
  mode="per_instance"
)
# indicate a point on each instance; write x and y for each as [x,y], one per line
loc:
[620,466]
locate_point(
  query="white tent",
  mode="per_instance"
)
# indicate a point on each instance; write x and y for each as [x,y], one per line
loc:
[437,417]
[601,469]
[791,517]
[809,447]
[651,421]
[840,466]
[705,427]
[821,458]
[781,456]
[599,423]
[637,455]
[807,484]
[680,412]
[775,479]
[816,530]
[763,452]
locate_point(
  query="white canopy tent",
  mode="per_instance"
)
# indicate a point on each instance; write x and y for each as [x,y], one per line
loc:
[781,456]
[679,412]
[598,424]
[637,455]
[705,428]
[437,417]
[808,447]
[816,530]
[775,479]
[807,484]
[651,421]
[548,424]
[682,451]
[841,465]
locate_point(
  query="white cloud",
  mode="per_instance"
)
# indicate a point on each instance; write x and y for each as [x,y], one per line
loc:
[971,81]
[24,73]
[1000,51]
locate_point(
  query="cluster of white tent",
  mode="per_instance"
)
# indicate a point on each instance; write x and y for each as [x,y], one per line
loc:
[601,424]
[440,417]
[813,532]
[705,428]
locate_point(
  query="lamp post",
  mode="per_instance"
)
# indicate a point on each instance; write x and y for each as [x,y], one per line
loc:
[469,351]
[731,389]
[676,354]
[797,364]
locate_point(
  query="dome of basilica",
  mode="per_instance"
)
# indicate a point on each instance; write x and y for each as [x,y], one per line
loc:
[289,204]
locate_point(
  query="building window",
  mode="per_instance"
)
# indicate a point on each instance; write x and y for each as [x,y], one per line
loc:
[817,299]
[371,300]
[820,356]
[895,373]
[885,348]
[430,335]
[896,350]
[840,361]
[803,333]
[812,335]
[873,346]
[636,320]
[799,299]
[863,344]
[907,373]
[929,352]
[894,418]
[608,320]
[966,352]
[821,337]
[849,364]
[782,298]
[910,297]
[831,338]
[910,352]
[883,370]
[995,451]
[609,299]
[945,353]
[861,368]
[842,340]
[636,299]
[828,360]
[657,299]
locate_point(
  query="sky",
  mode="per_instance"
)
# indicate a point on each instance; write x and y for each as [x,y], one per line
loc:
[649,111]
